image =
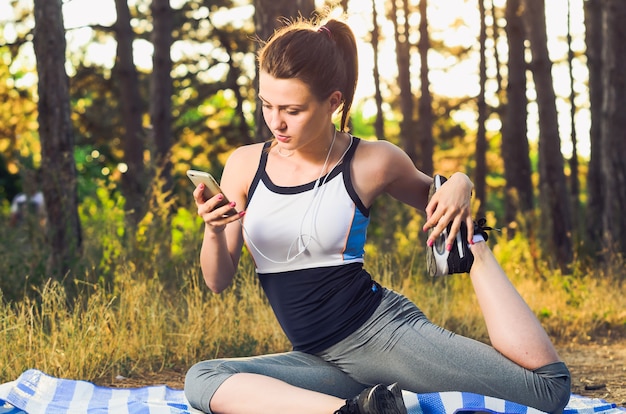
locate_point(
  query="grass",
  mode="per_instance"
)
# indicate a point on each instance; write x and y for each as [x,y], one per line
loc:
[140,312]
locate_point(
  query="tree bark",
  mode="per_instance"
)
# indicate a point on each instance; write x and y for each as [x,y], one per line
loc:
[595,202]
[57,143]
[403,60]
[496,40]
[614,126]
[161,89]
[425,103]
[554,197]
[515,148]
[573,161]
[134,180]
[480,174]
[379,122]
[161,119]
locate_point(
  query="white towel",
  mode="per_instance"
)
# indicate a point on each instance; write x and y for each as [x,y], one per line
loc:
[37,393]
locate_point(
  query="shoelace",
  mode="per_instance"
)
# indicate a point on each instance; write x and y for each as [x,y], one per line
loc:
[481,228]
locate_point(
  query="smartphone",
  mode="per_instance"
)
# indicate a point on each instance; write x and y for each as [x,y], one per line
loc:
[211,188]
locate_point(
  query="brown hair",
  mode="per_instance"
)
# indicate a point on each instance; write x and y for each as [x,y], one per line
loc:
[324,57]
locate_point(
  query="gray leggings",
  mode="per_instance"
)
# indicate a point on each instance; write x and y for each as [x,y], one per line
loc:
[397,344]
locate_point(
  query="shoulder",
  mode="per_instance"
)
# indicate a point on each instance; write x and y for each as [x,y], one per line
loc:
[383,167]
[384,152]
[376,166]
[378,146]
[241,166]
[245,156]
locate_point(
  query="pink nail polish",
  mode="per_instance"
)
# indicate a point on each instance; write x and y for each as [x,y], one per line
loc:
[449,247]
[430,243]
[220,196]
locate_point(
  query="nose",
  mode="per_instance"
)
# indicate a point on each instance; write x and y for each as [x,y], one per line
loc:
[274,120]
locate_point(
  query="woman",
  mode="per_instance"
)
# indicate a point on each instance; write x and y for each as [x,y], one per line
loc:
[304,202]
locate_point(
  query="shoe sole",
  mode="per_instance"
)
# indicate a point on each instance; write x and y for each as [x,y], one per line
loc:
[437,255]
[396,391]
[381,400]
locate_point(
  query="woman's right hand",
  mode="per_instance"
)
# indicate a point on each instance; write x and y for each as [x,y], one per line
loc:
[215,219]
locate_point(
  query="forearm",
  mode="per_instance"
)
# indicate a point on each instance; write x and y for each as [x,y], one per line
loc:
[217,264]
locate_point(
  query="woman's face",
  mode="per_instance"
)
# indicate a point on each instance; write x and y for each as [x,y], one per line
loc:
[293,114]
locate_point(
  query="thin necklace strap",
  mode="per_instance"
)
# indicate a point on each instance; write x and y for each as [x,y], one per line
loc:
[280,152]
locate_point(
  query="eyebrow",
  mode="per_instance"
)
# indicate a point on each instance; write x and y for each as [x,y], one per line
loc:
[283,106]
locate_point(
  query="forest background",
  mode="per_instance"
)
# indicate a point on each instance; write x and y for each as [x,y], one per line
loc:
[111,283]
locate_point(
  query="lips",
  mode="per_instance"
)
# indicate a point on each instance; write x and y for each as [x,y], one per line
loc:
[281,138]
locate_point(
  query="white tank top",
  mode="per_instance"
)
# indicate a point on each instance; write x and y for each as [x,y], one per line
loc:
[302,227]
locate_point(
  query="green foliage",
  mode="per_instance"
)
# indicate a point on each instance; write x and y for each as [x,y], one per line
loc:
[143,305]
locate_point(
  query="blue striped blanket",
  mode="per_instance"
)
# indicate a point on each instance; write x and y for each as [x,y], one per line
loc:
[37,393]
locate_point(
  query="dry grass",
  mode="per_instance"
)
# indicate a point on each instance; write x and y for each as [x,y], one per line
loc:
[149,315]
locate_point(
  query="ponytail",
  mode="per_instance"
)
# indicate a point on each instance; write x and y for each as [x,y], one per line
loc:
[324,57]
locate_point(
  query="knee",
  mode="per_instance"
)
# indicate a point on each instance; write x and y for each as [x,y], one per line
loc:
[558,387]
[202,380]
[203,370]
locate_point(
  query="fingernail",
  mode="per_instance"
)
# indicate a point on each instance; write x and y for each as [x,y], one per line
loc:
[430,243]
[472,241]
[449,247]
[219,196]
[242,213]
[232,204]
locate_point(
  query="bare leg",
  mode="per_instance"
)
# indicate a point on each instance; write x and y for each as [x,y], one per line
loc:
[253,393]
[513,328]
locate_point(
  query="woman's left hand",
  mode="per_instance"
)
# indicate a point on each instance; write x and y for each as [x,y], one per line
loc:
[451,203]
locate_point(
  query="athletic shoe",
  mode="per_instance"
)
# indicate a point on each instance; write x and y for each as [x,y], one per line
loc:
[375,400]
[396,391]
[440,261]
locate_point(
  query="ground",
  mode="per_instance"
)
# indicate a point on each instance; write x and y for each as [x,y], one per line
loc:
[598,371]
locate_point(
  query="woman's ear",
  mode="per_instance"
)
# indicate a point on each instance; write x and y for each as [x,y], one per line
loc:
[335,100]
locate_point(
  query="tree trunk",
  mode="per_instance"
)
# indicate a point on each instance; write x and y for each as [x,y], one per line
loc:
[161,89]
[425,102]
[403,60]
[555,205]
[480,174]
[134,182]
[614,126]
[595,202]
[57,142]
[268,15]
[161,119]
[573,161]
[515,149]
[379,123]
[496,40]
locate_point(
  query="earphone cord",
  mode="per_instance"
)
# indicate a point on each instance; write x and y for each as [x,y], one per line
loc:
[304,240]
